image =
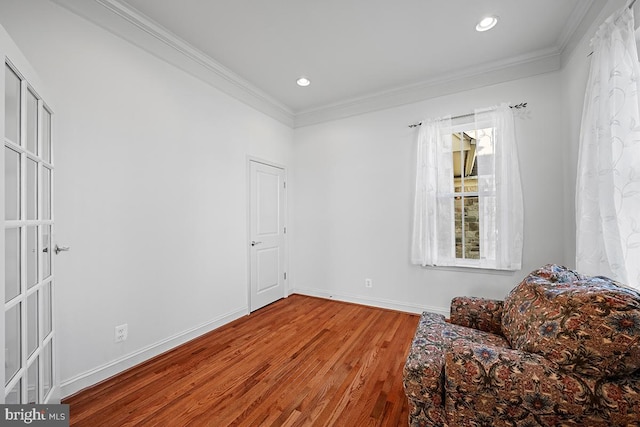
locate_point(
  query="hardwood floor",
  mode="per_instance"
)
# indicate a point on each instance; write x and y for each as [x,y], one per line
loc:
[299,361]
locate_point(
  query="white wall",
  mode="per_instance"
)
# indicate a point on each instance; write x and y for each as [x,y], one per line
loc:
[355,181]
[353,205]
[150,192]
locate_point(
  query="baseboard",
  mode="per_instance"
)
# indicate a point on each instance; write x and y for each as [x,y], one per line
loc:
[86,379]
[374,302]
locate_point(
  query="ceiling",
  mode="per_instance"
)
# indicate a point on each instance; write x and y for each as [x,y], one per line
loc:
[354,50]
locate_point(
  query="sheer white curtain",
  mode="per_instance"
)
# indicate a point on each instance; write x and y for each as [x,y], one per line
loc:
[608,182]
[433,226]
[499,190]
[499,193]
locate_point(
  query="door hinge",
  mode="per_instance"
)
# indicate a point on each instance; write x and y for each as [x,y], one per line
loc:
[285,276]
[285,184]
[285,230]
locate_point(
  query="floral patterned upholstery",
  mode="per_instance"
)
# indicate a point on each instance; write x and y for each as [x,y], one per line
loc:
[477,313]
[589,325]
[424,368]
[574,359]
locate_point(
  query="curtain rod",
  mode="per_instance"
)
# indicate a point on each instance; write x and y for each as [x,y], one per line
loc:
[517,106]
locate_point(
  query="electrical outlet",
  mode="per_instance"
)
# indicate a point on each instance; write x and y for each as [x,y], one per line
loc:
[122,332]
[368,283]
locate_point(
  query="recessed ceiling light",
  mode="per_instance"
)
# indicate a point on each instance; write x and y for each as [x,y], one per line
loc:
[303,81]
[487,23]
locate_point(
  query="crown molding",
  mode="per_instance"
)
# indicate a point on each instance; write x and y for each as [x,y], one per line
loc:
[540,62]
[590,20]
[571,29]
[135,28]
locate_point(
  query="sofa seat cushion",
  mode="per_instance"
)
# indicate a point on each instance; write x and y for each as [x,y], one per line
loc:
[497,386]
[587,325]
[423,370]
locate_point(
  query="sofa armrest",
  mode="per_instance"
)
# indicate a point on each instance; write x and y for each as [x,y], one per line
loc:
[499,385]
[422,374]
[478,313]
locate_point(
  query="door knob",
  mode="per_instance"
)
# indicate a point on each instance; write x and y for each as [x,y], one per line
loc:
[59,249]
[253,243]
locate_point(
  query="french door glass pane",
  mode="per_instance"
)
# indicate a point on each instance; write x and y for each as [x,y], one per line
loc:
[32,323]
[15,395]
[11,263]
[47,371]
[46,136]
[32,256]
[12,342]
[11,105]
[11,184]
[46,193]
[32,382]
[32,122]
[28,270]
[32,189]
[46,309]
[46,251]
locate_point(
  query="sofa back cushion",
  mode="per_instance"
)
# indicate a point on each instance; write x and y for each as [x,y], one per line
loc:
[588,325]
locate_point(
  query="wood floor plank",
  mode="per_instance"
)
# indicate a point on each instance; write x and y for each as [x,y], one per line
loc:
[300,361]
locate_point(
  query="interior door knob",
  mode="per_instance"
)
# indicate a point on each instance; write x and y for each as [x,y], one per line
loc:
[59,249]
[253,243]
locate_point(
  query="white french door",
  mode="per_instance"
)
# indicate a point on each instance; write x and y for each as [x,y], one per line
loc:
[267,232]
[27,158]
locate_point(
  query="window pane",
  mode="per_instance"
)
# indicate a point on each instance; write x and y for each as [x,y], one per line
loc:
[32,323]
[32,256]
[46,309]
[14,396]
[32,382]
[47,372]
[11,184]
[458,206]
[12,343]
[32,189]
[46,193]
[472,228]
[11,105]
[46,251]
[46,136]
[486,160]
[11,263]
[457,141]
[32,122]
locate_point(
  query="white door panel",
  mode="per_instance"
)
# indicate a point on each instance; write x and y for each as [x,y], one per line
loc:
[268,267]
[267,230]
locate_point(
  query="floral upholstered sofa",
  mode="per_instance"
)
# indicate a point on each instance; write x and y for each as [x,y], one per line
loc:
[562,349]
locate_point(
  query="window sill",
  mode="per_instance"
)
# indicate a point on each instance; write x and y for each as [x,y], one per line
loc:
[472,267]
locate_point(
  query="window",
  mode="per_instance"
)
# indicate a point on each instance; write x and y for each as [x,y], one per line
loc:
[468,203]
[465,193]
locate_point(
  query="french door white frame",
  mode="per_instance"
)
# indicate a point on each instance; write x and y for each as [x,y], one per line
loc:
[35,378]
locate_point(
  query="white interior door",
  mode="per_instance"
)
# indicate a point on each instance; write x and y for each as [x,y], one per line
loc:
[267,245]
[27,261]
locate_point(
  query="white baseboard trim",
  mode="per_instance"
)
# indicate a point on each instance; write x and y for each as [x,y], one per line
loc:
[374,302]
[86,379]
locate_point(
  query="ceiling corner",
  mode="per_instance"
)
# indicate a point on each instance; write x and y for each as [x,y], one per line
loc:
[126,23]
